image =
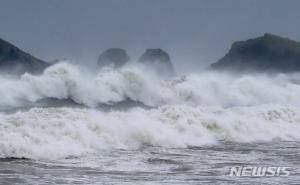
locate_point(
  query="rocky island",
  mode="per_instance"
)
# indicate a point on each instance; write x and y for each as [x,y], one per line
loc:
[15,61]
[269,53]
[114,57]
[159,60]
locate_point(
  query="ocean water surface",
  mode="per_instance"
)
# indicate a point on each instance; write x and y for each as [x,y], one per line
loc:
[130,126]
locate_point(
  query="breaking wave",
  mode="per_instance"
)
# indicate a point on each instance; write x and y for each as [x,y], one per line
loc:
[191,110]
[51,133]
[66,81]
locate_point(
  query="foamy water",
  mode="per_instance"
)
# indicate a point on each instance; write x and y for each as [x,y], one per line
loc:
[66,81]
[186,113]
[193,110]
[53,133]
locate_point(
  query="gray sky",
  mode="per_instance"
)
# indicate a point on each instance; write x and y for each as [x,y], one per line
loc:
[194,32]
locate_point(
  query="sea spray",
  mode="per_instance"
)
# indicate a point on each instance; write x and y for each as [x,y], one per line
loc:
[65,81]
[52,133]
[191,110]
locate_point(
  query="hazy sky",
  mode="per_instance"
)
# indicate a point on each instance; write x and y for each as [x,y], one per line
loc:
[194,32]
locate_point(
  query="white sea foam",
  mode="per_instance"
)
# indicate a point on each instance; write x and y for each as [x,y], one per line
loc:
[191,110]
[51,133]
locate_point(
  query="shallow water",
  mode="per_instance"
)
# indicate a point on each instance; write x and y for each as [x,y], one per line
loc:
[156,165]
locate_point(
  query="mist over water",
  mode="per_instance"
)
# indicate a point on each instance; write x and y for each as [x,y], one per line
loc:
[180,111]
[132,125]
[137,83]
[128,93]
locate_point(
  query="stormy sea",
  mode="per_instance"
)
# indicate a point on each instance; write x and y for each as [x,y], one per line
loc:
[72,125]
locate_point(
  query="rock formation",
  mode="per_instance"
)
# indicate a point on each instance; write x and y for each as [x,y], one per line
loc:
[159,60]
[266,53]
[115,57]
[15,61]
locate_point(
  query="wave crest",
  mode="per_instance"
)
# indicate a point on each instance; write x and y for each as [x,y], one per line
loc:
[66,81]
[51,133]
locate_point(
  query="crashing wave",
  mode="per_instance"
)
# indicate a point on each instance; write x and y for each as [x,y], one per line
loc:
[192,110]
[52,133]
[66,82]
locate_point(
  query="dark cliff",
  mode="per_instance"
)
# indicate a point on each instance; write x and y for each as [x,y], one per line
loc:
[15,61]
[266,53]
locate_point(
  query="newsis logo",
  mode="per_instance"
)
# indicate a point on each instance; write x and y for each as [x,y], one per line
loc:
[259,171]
